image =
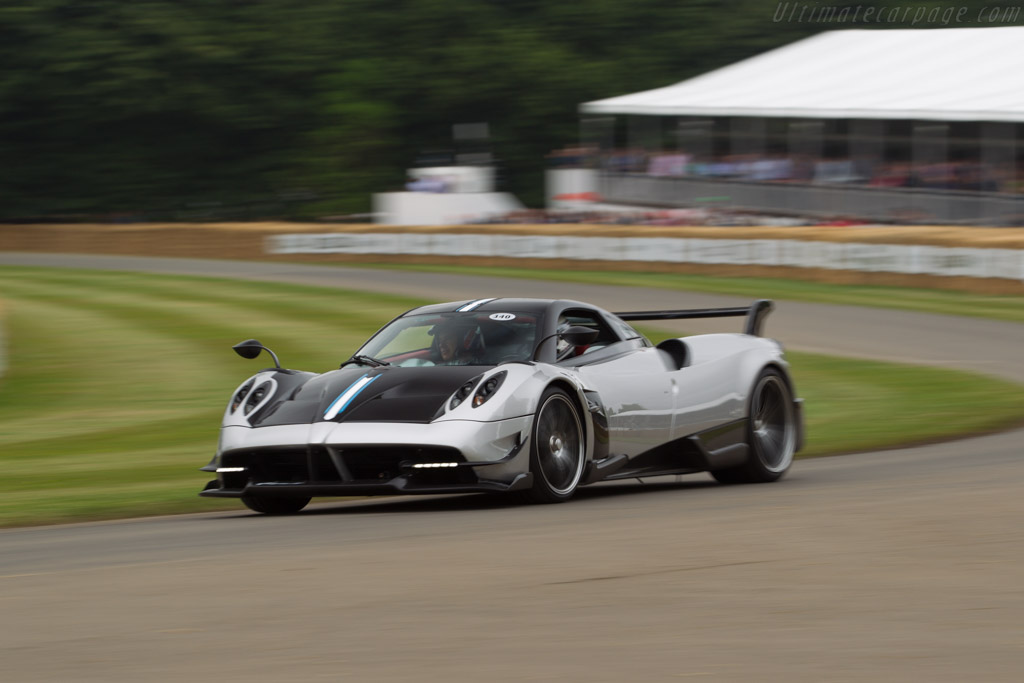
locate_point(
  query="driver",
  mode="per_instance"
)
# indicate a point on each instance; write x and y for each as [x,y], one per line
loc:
[458,343]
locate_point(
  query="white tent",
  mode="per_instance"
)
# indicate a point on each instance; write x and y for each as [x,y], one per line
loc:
[959,74]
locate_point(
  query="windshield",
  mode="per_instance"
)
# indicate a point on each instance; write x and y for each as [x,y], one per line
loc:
[455,339]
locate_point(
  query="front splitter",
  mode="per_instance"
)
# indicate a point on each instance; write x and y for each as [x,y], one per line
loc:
[401,485]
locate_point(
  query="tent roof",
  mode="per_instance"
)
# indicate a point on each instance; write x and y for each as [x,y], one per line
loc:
[959,74]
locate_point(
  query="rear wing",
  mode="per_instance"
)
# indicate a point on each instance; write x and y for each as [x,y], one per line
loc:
[755,313]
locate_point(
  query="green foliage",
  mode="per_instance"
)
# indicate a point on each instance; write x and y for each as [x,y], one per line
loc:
[166,108]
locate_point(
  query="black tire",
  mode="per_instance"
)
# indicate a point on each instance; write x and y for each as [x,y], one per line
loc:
[771,432]
[733,475]
[557,448]
[274,506]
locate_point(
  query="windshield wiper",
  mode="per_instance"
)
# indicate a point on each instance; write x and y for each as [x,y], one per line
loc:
[365,360]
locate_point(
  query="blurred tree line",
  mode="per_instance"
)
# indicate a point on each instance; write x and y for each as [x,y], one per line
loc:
[254,108]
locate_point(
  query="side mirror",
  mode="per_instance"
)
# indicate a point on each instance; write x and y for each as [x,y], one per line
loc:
[577,335]
[250,348]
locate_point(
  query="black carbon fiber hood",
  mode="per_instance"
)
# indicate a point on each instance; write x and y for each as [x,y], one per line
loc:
[358,393]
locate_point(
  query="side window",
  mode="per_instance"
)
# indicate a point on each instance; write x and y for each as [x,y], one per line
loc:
[584,318]
[625,330]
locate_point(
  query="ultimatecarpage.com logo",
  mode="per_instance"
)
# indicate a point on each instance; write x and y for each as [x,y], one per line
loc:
[815,13]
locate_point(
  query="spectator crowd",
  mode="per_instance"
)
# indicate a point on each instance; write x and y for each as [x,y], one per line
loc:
[664,217]
[964,175]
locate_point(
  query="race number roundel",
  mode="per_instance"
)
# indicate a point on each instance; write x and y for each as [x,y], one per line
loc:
[502,316]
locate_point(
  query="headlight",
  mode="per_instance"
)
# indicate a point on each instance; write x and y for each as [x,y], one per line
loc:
[240,395]
[488,388]
[462,393]
[257,396]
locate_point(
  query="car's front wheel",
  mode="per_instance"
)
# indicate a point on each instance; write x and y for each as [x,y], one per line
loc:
[274,506]
[771,432]
[557,449]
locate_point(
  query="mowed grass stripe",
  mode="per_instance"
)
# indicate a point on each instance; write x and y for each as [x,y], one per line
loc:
[75,370]
[83,470]
[134,436]
[202,327]
[297,302]
[314,340]
[198,306]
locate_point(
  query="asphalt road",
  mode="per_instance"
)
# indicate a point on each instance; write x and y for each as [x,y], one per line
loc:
[904,565]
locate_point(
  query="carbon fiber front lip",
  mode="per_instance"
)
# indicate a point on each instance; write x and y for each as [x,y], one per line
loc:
[397,486]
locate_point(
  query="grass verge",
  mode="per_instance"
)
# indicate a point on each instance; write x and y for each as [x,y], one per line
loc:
[116,382]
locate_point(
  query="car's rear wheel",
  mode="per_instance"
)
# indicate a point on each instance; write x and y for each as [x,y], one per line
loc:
[771,432]
[557,449]
[275,506]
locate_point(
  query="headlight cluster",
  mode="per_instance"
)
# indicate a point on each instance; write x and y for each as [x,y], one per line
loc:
[240,395]
[462,394]
[256,396]
[484,391]
[256,392]
[488,388]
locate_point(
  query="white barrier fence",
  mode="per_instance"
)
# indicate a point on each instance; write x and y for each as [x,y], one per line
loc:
[889,258]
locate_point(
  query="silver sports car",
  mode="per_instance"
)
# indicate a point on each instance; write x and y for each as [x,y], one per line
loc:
[531,396]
